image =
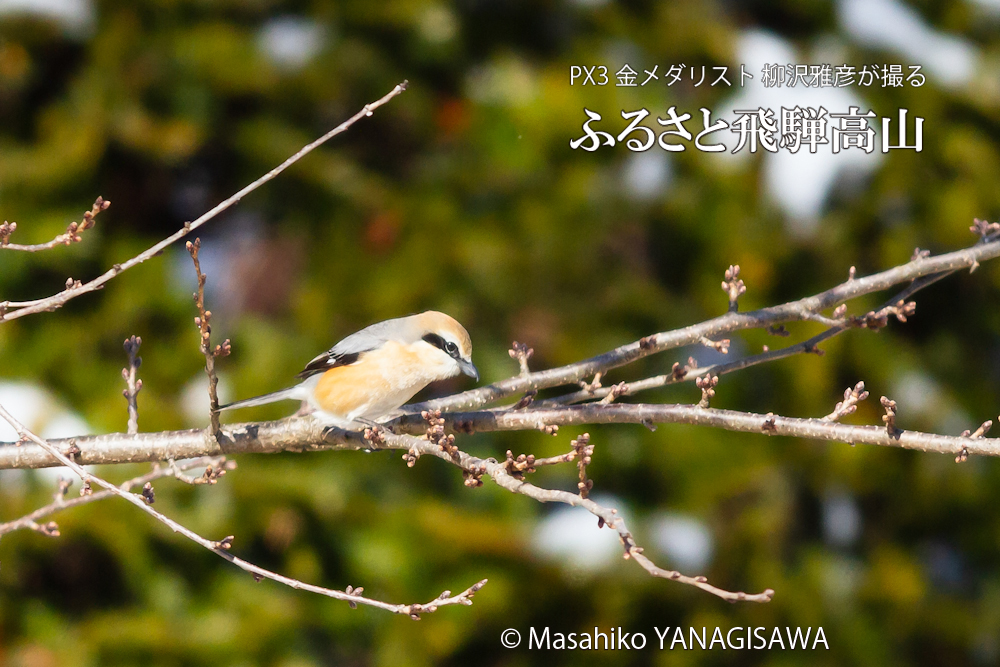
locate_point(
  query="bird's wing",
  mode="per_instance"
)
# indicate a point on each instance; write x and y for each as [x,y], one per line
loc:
[347,351]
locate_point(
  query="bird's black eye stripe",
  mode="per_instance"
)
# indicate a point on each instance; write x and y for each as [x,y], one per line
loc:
[446,346]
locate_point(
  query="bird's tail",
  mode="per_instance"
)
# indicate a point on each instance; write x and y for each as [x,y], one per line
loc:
[273,397]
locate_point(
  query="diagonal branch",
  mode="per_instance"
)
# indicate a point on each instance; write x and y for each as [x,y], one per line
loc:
[30,520]
[221,548]
[10,310]
[929,269]
[606,515]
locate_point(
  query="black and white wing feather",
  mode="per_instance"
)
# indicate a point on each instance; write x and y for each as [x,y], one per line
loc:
[347,351]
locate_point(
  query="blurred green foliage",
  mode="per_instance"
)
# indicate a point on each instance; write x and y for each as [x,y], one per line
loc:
[462,195]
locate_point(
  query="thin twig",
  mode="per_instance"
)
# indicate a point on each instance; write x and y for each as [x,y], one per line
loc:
[70,236]
[203,322]
[221,547]
[922,272]
[61,503]
[10,310]
[691,371]
[132,383]
[608,516]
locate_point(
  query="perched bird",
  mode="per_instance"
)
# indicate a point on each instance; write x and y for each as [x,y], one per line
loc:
[376,370]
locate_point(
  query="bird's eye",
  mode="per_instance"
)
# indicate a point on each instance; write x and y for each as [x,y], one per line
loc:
[451,348]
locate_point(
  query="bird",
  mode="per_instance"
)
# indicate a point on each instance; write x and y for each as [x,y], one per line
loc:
[372,372]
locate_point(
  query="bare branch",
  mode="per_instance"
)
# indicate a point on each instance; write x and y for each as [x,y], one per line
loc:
[10,310]
[70,236]
[475,468]
[922,273]
[87,496]
[203,322]
[221,547]
[302,434]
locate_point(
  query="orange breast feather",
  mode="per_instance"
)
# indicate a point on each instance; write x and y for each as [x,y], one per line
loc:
[379,382]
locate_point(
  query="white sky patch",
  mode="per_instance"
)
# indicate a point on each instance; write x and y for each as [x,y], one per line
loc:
[40,411]
[685,540]
[799,182]
[918,392]
[647,175]
[195,402]
[44,415]
[291,42]
[75,16]
[892,25]
[921,396]
[841,518]
[570,536]
[991,6]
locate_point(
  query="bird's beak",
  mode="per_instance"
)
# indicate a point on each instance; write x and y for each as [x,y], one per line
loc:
[468,368]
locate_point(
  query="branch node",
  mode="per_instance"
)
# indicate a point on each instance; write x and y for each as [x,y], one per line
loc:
[769,427]
[779,330]
[721,346]
[983,429]
[132,383]
[890,418]
[147,493]
[375,436]
[473,476]
[707,385]
[620,389]
[678,372]
[878,319]
[521,353]
[982,228]
[62,487]
[593,385]
[435,433]
[523,464]
[6,229]
[733,287]
[583,451]
[50,529]
[852,396]
[526,400]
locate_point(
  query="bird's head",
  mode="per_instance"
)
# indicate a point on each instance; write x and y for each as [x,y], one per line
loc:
[447,343]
